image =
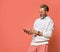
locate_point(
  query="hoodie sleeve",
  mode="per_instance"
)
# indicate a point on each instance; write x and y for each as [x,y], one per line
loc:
[48,32]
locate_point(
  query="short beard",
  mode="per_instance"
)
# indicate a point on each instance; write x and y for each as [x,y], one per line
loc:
[43,16]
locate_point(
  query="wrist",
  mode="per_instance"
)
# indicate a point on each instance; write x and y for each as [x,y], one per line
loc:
[38,33]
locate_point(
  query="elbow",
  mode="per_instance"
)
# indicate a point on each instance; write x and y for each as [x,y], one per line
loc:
[47,35]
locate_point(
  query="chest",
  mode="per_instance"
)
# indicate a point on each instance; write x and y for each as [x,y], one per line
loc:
[41,24]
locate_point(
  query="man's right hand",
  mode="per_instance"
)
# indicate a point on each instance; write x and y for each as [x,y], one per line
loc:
[27,31]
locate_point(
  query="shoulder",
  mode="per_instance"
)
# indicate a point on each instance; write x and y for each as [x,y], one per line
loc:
[38,19]
[50,20]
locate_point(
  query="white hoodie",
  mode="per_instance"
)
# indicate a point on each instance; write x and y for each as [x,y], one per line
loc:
[46,26]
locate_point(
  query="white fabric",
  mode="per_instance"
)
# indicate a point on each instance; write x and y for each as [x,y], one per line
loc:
[46,26]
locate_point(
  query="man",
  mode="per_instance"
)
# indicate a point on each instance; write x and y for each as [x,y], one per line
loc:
[41,32]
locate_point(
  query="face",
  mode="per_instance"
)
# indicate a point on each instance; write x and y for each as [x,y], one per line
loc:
[43,13]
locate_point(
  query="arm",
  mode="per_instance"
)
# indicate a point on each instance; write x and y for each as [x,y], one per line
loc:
[49,30]
[32,31]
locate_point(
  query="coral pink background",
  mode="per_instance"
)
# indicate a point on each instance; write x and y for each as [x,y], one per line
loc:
[18,14]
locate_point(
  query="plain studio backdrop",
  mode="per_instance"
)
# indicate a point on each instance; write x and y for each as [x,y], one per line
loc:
[18,14]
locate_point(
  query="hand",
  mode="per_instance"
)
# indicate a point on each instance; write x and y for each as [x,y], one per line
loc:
[25,30]
[29,31]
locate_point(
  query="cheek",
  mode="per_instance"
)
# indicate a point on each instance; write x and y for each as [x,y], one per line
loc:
[43,13]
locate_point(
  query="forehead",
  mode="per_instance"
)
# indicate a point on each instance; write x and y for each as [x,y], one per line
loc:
[42,9]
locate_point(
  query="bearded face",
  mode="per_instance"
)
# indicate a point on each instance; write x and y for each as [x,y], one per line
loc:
[43,13]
